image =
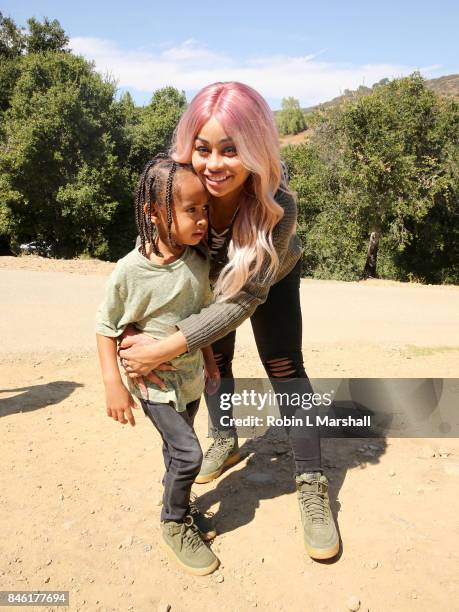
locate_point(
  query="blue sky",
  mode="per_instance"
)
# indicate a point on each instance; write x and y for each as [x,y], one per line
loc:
[310,50]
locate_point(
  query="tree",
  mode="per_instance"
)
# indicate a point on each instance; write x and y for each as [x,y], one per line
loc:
[152,128]
[290,120]
[327,223]
[381,83]
[15,42]
[12,45]
[41,36]
[45,36]
[12,39]
[61,180]
[392,159]
[432,255]
[70,153]
[378,186]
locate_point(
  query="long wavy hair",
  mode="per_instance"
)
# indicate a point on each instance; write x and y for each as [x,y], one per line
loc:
[247,119]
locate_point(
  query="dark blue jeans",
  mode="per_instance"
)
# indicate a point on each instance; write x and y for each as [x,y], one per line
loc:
[182,455]
[277,327]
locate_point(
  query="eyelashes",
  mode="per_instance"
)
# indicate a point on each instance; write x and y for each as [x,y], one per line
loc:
[226,151]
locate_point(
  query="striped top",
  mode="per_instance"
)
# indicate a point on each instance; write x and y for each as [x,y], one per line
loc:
[217,241]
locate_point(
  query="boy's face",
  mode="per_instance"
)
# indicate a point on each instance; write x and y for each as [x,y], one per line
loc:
[189,211]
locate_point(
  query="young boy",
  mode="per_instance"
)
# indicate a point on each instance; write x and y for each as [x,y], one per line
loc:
[154,287]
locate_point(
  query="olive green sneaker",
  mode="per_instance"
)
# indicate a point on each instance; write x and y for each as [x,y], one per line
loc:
[222,453]
[184,543]
[320,535]
[202,521]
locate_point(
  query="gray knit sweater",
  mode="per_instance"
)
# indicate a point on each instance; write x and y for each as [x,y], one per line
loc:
[218,319]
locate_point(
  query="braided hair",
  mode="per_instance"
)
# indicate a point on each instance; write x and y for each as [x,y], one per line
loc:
[156,186]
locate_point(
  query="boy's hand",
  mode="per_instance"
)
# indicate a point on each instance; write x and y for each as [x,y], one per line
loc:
[212,373]
[120,404]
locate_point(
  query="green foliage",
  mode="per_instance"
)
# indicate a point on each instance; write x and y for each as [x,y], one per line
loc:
[61,182]
[433,252]
[45,36]
[12,45]
[15,42]
[290,120]
[12,39]
[70,153]
[9,73]
[385,163]
[324,210]
[41,36]
[151,127]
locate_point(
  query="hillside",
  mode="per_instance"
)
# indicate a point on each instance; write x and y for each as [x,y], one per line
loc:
[447,85]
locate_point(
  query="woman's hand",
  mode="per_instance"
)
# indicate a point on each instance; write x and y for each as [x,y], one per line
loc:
[135,350]
[140,356]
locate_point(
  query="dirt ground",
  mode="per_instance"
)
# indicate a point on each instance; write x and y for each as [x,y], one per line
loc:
[79,492]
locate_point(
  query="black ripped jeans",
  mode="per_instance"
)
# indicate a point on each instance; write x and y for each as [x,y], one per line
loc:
[277,327]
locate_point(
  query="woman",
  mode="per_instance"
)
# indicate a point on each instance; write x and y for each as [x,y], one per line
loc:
[229,134]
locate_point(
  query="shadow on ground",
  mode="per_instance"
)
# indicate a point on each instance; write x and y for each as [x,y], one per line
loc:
[35,397]
[268,470]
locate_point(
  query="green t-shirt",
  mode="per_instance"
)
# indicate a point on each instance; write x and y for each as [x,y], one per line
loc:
[154,298]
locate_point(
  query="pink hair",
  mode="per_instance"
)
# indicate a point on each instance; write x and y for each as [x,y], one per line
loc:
[247,119]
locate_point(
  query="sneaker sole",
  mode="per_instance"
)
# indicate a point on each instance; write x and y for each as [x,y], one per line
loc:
[232,459]
[195,571]
[322,553]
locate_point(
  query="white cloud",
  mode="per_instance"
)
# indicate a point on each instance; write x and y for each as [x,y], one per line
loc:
[191,65]
[190,51]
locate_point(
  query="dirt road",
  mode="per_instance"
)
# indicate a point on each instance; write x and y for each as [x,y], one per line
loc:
[79,503]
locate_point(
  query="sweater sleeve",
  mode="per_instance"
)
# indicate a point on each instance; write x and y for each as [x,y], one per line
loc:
[220,318]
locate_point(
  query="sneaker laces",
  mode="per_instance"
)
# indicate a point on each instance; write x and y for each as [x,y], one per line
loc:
[315,503]
[193,508]
[190,535]
[216,447]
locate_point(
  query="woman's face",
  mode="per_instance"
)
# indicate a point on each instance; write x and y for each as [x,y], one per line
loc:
[216,161]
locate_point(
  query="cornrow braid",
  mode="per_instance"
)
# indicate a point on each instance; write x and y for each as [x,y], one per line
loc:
[169,185]
[144,195]
[156,185]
